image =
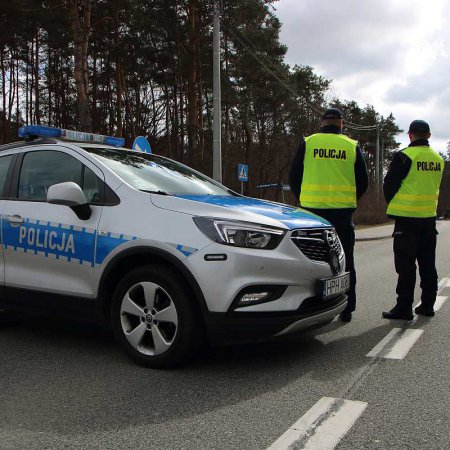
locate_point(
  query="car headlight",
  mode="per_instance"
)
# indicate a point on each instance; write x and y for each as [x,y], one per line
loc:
[240,234]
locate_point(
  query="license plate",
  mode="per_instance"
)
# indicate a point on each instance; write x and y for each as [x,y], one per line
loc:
[329,287]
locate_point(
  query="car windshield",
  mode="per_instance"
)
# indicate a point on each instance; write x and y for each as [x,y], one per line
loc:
[152,173]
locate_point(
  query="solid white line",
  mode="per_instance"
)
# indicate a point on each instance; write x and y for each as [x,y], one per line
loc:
[323,426]
[396,344]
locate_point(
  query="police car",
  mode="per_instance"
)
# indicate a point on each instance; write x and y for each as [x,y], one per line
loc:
[165,256]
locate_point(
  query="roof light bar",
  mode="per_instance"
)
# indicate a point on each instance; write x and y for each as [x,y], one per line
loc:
[33,131]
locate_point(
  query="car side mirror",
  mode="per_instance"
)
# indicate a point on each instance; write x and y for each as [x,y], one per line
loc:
[71,195]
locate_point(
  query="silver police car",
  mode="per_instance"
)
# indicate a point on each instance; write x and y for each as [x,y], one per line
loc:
[165,256]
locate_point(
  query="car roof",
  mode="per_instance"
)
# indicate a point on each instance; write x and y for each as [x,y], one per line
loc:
[29,143]
[42,141]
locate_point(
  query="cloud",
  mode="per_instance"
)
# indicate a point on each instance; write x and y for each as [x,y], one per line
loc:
[340,37]
[430,85]
[392,55]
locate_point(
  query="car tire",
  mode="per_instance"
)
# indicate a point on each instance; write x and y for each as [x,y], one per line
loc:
[8,319]
[154,318]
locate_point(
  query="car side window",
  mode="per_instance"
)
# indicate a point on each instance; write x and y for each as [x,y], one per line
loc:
[5,161]
[91,186]
[42,169]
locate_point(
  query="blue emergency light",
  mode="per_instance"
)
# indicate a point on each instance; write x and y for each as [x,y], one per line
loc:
[33,131]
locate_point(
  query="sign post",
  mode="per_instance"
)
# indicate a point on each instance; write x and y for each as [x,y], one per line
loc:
[242,175]
[281,186]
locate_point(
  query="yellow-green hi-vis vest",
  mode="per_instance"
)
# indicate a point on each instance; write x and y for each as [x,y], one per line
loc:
[419,192]
[329,172]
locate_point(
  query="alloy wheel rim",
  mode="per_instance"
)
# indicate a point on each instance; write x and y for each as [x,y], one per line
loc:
[149,318]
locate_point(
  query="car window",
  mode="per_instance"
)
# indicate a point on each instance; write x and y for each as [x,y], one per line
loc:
[91,186]
[42,169]
[4,166]
[148,172]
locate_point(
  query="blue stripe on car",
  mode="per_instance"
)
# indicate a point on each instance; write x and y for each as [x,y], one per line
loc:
[61,241]
[288,215]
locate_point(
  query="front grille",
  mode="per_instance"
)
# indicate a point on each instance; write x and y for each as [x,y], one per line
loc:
[314,245]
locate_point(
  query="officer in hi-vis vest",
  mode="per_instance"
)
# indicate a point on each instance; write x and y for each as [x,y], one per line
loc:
[411,187]
[328,175]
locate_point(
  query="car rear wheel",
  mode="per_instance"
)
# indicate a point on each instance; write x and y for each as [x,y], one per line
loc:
[8,319]
[154,318]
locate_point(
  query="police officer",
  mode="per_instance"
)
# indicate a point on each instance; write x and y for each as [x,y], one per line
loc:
[411,188]
[328,175]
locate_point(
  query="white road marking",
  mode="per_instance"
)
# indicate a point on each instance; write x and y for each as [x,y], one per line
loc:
[440,300]
[445,282]
[396,344]
[323,426]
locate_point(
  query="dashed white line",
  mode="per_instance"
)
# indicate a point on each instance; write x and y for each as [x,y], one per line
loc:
[323,426]
[396,344]
[440,300]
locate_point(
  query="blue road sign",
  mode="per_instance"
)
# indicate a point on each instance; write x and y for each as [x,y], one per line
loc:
[141,144]
[242,172]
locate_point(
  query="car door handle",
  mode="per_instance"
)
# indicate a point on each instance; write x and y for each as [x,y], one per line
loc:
[15,219]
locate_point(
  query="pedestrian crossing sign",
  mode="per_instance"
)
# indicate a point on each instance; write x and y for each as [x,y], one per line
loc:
[242,172]
[141,144]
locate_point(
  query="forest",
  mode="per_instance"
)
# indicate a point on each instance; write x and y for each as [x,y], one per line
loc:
[132,67]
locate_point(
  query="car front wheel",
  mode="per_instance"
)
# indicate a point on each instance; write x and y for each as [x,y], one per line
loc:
[154,318]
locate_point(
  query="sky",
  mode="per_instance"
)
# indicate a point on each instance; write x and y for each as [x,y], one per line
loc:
[394,55]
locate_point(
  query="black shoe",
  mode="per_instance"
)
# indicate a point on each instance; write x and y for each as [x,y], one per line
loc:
[346,316]
[424,310]
[395,314]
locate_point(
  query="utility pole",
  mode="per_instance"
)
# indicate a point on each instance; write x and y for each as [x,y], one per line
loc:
[377,160]
[217,108]
[382,164]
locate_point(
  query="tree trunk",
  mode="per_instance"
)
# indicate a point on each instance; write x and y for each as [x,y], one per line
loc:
[37,113]
[80,19]
[29,89]
[192,87]
[118,70]
[3,116]
[128,107]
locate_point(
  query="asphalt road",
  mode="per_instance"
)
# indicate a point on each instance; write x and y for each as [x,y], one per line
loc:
[67,386]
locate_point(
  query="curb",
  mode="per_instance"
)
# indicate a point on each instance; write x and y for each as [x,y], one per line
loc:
[378,238]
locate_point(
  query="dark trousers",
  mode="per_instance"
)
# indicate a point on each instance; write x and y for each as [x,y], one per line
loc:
[415,239]
[342,221]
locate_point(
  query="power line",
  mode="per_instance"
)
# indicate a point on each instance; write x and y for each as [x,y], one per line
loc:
[263,56]
[283,82]
[280,77]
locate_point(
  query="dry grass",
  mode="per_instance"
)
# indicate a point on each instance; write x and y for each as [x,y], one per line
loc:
[371,208]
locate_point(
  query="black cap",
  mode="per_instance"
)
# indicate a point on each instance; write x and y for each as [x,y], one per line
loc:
[332,113]
[419,126]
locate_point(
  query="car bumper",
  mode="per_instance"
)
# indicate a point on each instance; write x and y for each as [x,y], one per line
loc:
[232,327]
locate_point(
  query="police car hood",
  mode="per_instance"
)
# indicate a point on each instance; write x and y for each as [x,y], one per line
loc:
[240,208]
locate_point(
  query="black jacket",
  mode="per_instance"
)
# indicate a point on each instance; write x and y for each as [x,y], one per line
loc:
[296,172]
